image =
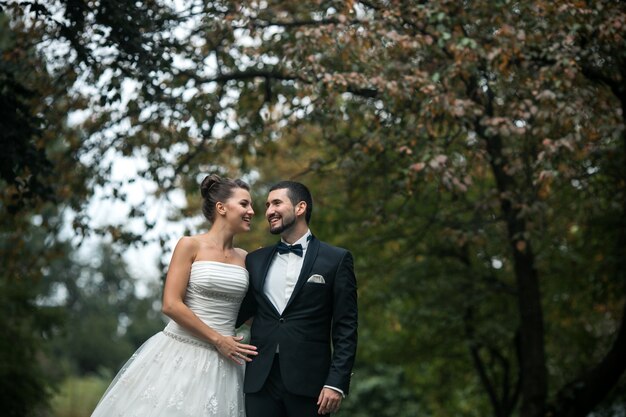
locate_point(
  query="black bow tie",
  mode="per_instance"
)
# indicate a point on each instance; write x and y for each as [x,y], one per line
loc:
[284,248]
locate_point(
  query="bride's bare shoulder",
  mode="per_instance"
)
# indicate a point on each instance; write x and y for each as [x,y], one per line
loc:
[188,245]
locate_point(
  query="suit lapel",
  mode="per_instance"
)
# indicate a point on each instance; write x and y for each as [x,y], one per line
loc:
[264,269]
[309,260]
[261,276]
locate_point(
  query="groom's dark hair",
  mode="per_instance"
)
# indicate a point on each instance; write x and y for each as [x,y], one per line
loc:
[297,192]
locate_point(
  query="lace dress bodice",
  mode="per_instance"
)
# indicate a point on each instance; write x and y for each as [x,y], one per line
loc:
[214,294]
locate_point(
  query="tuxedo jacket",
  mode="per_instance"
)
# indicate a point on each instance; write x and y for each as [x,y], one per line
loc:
[317,331]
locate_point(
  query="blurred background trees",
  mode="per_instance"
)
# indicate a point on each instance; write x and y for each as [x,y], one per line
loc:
[472,155]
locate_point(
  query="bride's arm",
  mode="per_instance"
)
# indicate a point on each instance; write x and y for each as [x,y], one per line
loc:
[174,307]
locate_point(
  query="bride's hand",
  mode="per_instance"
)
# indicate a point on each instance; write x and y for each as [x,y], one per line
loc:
[231,347]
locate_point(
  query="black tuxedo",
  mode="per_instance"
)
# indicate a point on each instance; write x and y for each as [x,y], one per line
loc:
[315,314]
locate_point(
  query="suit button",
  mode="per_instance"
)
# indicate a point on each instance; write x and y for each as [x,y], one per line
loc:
[281,320]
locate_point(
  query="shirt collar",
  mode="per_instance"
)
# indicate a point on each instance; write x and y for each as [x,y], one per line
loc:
[304,240]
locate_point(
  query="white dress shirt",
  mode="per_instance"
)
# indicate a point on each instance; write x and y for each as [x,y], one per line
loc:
[283,274]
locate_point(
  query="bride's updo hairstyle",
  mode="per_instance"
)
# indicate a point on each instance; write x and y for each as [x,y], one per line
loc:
[215,189]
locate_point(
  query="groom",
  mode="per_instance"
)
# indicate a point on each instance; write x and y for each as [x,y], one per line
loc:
[303,297]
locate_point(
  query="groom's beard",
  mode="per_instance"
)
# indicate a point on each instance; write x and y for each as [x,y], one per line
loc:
[285,225]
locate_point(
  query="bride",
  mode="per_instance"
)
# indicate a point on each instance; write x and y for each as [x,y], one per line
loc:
[194,367]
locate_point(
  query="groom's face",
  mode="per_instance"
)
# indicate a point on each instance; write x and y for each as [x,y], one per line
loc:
[280,212]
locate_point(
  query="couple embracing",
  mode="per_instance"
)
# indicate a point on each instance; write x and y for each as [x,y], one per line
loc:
[299,295]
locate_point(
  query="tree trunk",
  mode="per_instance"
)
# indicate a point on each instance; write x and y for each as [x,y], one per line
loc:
[532,356]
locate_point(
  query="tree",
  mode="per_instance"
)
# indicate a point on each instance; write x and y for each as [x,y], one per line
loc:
[42,184]
[478,146]
[106,321]
[465,99]
[33,154]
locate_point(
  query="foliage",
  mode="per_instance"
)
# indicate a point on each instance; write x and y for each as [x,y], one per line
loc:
[478,148]
[381,392]
[24,385]
[24,164]
[446,112]
[37,151]
[106,321]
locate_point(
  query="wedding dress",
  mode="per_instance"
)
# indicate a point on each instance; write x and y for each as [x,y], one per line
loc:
[174,374]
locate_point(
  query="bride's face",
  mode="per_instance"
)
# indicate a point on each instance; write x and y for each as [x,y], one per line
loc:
[239,210]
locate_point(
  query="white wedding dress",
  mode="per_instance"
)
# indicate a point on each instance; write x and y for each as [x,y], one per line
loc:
[174,374]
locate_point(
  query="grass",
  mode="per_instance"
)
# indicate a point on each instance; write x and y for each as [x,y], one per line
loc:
[78,396]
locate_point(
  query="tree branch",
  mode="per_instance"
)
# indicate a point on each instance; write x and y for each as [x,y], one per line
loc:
[244,75]
[474,348]
[298,23]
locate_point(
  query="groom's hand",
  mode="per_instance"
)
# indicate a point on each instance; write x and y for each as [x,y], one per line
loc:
[328,401]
